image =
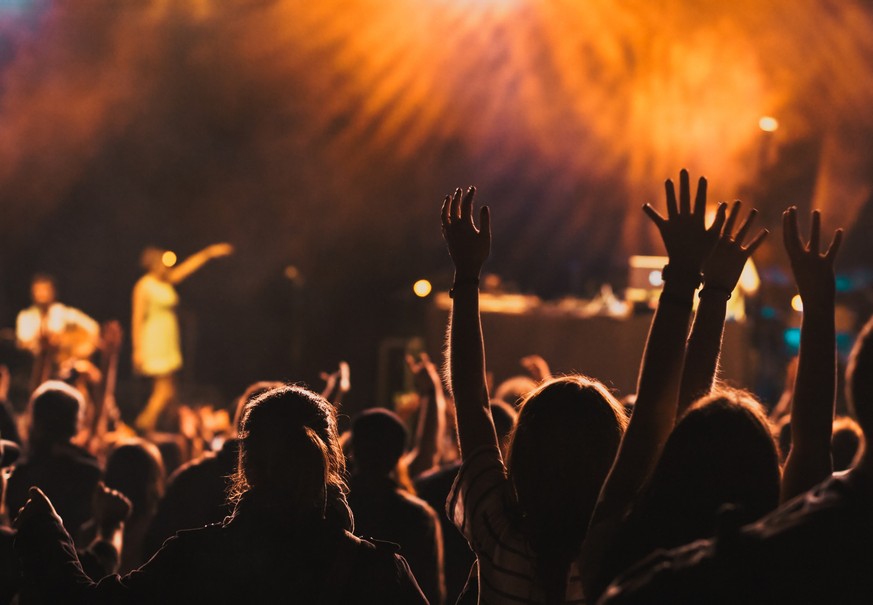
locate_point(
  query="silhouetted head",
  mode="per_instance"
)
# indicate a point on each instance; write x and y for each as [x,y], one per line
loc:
[565,440]
[134,467]
[43,290]
[290,459]
[721,452]
[152,261]
[859,379]
[56,411]
[378,441]
[253,391]
[847,443]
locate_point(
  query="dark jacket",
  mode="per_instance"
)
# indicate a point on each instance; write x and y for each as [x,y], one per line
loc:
[251,558]
[66,473]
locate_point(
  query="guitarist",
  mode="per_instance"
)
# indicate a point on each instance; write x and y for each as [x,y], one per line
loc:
[57,335]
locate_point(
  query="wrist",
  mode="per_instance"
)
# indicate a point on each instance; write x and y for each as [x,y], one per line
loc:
[824,303]
[464,282]
[682,274]
[715,292]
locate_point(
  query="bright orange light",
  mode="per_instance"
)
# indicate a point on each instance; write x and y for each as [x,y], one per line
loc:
[797,303]
[168,258]
[422,288]
[768,124]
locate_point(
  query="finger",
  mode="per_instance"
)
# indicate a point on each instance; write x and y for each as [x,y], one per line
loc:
[485,221]
[815,232]
[835,245]
[790,235]
[684,193]
[720,214]
[444,211]
[700,199]
[425,358]
[456,204]
[467,204]
[672,209]
[653,214]
[747,224]
[732,219]
[757,241]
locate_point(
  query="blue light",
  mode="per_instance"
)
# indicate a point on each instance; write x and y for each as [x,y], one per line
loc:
[791,336]
[843,283]
[768,312]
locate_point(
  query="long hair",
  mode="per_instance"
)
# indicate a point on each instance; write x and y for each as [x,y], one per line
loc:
[290,459]
[563,445]
[722,451]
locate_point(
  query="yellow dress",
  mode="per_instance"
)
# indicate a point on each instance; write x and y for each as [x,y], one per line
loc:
[159,333]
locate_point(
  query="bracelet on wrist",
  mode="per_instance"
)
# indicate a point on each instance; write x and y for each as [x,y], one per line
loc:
[463,282]
[714,292]
[675,274]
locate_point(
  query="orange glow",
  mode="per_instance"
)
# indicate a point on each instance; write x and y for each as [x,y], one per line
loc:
[422,288]
[169,258]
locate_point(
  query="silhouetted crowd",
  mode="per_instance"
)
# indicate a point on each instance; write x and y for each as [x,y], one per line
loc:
[690,491]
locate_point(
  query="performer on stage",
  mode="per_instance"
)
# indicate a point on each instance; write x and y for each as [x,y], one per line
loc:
[58,336]
[155,328]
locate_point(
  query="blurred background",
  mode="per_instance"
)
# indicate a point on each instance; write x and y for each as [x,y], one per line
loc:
[320,137]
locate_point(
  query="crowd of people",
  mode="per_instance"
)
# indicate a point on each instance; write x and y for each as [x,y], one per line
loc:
[690,491]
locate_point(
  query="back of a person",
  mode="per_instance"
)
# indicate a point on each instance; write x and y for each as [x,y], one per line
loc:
[196,495]
[68,475]
[814,549]
[434,488]
[384,512]
[253,561]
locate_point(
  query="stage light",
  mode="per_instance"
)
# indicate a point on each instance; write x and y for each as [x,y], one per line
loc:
[768,124]
[655,279]
[797,303]
[422,288]
[168,258]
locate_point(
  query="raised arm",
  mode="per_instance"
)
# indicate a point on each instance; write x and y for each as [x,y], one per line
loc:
[689,243]
[431,415]
[469,247]
[721,272]
[191,264]
[809,460]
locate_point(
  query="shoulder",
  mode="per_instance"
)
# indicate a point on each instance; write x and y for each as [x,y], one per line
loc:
[380,570]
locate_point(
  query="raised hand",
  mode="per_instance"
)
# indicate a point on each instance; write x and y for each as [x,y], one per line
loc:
[219,250]
[722,270]
[424,373]
[686,237]
[37,505]
[111,507]
[468,246]
[537,367]
[813,271]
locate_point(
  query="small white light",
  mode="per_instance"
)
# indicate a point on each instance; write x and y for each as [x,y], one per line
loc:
[768,124]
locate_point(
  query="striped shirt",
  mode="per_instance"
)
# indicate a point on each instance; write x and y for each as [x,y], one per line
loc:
[479,506]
